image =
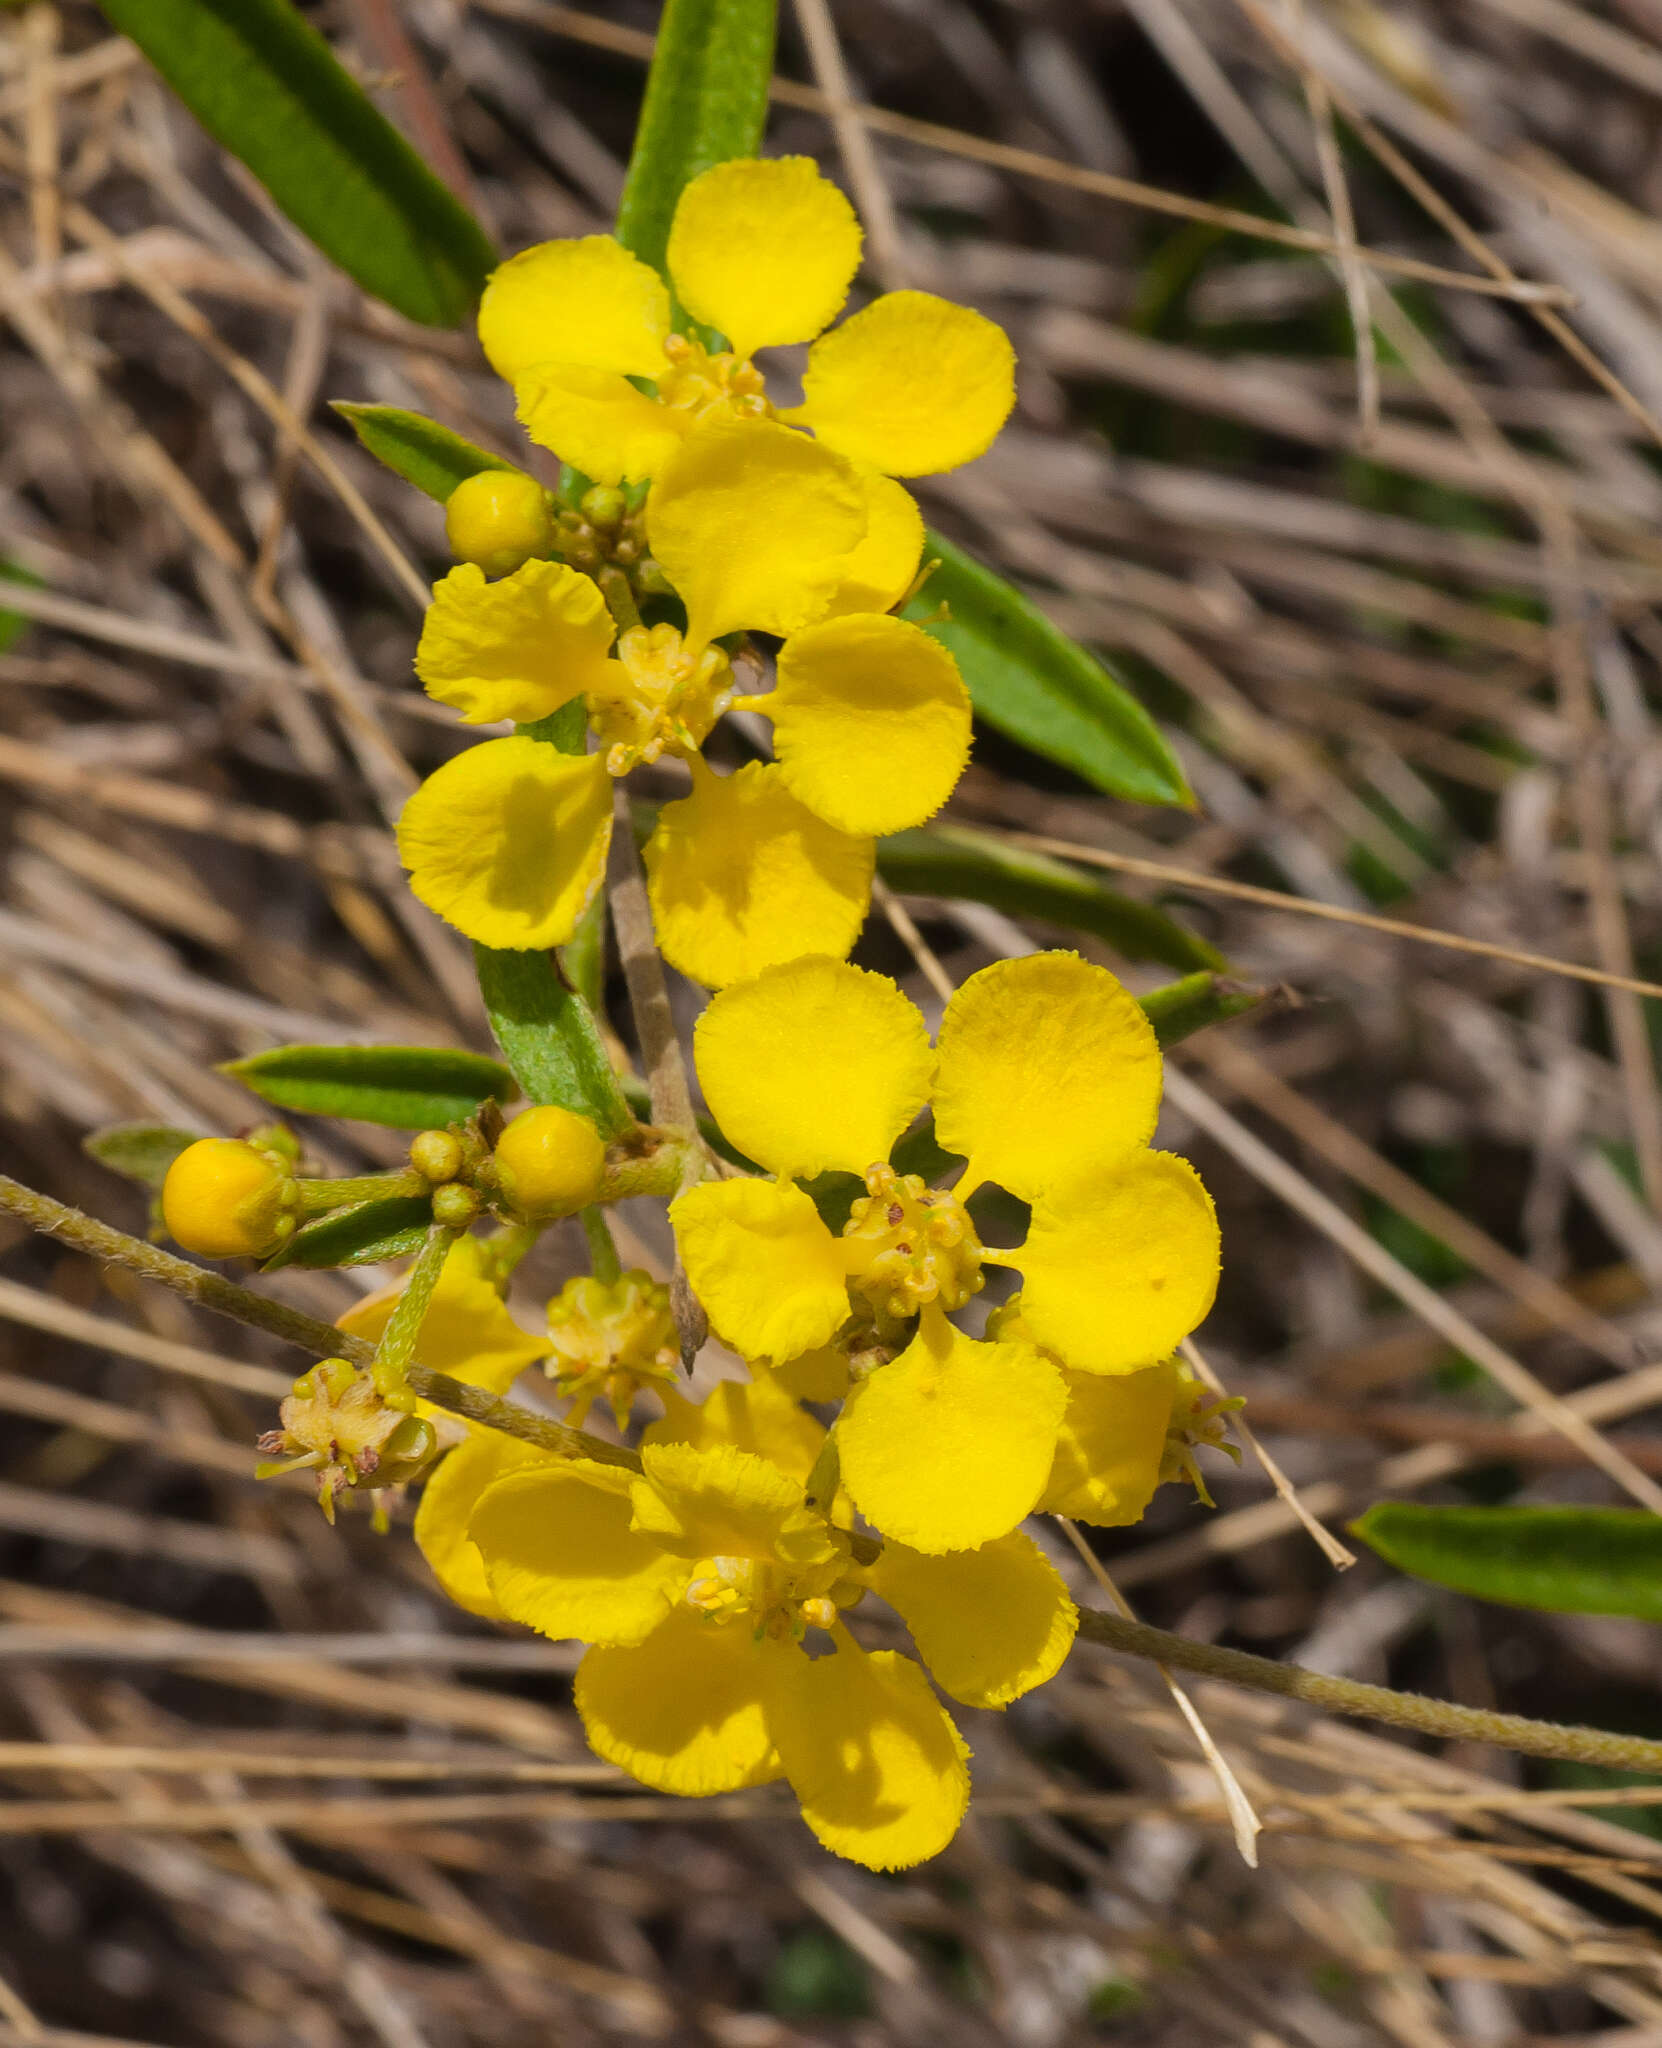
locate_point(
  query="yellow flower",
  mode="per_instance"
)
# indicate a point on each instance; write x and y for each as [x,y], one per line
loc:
[608,1337]
[1046,1077]
[696,1584]
[764,252]
[871,722]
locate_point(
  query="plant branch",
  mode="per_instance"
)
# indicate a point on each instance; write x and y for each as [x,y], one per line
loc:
[495,1411]
[1373,1702]
[196,1283]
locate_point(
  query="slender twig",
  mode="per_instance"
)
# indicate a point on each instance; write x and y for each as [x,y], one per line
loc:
[494,1411]
[1372,1702]
[195,1283]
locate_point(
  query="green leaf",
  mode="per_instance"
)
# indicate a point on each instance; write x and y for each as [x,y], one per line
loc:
[390,1228]
[948,860]
[549,1038]
[1563,1560]
[411,1087]
[1184,1007]
[1037,686]
[267,87]
[142,1152]
[416,448]
[706,101]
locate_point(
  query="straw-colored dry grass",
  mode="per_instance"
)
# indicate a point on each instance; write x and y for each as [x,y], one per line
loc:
[263,1786]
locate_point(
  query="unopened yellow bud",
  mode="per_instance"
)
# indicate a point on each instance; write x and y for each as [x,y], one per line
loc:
[549,1163]
[498,518]
[436,1155]
[455,1205]
[226,1199]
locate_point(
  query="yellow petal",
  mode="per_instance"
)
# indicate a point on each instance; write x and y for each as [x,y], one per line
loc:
[715,1500]
[1048,1067]
[872,1755]
[950,1445]
[447,1503]
[910,385]
[683,1711]
[813,1065]
[753,525]
[597,421]
[1110,1445]
[757,1416]
[820,1375]
[587,302]
[871,722]
[1120,1267]
[743,876]
[467,1330]
[990,1623]
[518,648]
[881,569]
[508,841]
[560,1555]
[765,1267]
[764,250]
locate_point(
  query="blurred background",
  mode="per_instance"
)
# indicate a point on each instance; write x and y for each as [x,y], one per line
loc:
[1396,608]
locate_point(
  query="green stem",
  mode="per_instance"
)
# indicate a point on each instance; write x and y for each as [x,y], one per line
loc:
[1373,1702]
[603,1258]
[508,1247]
[479,1405]
[196,1283]
[398,1339]
[620,599]
[318,1197]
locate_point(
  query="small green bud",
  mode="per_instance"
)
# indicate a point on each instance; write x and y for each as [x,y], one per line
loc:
[455,1205]
[436,1155]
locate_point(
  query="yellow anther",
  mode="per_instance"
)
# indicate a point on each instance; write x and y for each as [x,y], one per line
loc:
[607,1338]
[700,383]
[908,1244]
[666,700]
[549,1163]
[820,1612]
[226,1199]
[337,1424]
[1199,1420]
[498,519]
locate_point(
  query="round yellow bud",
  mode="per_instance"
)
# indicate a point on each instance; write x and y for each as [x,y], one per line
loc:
[436,1155]
[226,1199]
[549,1163]
[455,1205]
[499,519]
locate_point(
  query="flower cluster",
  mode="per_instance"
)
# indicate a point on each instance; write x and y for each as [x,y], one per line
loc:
[876,1445]
[714,516]
[714,1578]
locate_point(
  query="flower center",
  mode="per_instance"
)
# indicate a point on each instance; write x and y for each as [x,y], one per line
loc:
[606,1338]
[908,1244]
[698,383]
[668,702]
[776,1601]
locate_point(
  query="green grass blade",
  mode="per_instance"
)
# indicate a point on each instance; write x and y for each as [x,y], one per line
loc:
[267,87]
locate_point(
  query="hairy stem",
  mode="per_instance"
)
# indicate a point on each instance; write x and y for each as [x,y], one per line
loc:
[494,1411]
[196,1283]
[1373,1702]
[398,1339]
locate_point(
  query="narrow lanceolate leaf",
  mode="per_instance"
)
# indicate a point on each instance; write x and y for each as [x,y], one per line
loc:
[391,1228]
[143,1152]
[549,1038]
[706,101]
[267,87]
[950,861]
[1037,686]
[1564,1560]
[421,451]
[1182,1008]
[411,1087]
